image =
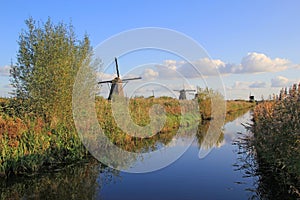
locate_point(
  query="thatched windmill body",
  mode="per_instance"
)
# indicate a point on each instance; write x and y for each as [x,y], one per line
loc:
[117,83]
[182,93]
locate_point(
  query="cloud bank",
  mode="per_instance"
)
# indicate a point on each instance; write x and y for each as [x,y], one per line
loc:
[257,63]
[250,64]
[258,84]
[280,81]
[277,82]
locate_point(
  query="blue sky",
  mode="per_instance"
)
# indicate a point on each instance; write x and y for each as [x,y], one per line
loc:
[256,43]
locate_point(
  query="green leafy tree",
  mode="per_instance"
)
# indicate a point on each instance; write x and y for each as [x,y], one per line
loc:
[48,59]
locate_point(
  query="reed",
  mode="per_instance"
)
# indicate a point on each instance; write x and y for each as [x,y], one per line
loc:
[29,144]
[139,111]
[238,105]
[276,138]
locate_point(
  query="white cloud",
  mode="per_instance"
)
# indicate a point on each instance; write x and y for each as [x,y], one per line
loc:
[172,69]
[257,62]
[203,66]
[105,77]
[240,85]
[230,68]
[258,84]
[149,74]
[252,63]
[170,64]
[4,70]
[243,85]
[280,81]
[168,69]
[296,66]
[180,86]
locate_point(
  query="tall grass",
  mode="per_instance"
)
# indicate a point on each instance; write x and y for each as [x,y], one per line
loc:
[233,106]
[139,111]
[276,138]
[29,144]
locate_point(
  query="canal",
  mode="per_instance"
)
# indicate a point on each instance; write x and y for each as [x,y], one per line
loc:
[213,177]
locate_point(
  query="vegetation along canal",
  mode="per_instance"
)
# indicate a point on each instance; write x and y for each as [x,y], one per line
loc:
[213,177]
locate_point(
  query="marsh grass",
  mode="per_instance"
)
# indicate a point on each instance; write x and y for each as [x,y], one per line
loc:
[139,110]
[233,106]
[30,144]
[276,142]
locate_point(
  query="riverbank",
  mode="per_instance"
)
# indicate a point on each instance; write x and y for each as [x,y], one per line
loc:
[29,145]
[235,108]
[276,140]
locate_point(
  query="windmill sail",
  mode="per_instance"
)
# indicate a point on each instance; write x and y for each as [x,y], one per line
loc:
[117,68]
[117,83]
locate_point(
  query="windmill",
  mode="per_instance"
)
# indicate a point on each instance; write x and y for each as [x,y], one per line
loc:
[182,93]
[117,83]
[251,98]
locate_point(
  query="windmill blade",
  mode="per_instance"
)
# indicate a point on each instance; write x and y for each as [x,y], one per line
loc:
[117,67]
[177,90]
[190,90]
[100,82]
[129,79]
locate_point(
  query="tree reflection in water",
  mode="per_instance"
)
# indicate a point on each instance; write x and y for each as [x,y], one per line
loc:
[73,182]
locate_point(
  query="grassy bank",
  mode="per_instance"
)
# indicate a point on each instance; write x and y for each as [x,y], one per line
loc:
[30,144]
[178,114]
[237,105]
[276,138]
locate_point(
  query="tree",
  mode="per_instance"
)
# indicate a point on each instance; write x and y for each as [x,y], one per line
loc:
[48,59]
[211,103]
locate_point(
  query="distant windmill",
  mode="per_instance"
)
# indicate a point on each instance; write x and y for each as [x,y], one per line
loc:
[117,83]
[251,98]
[182,93]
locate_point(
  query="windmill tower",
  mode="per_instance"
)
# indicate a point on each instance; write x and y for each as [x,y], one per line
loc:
[182,93]
[251,98]
[116,87]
